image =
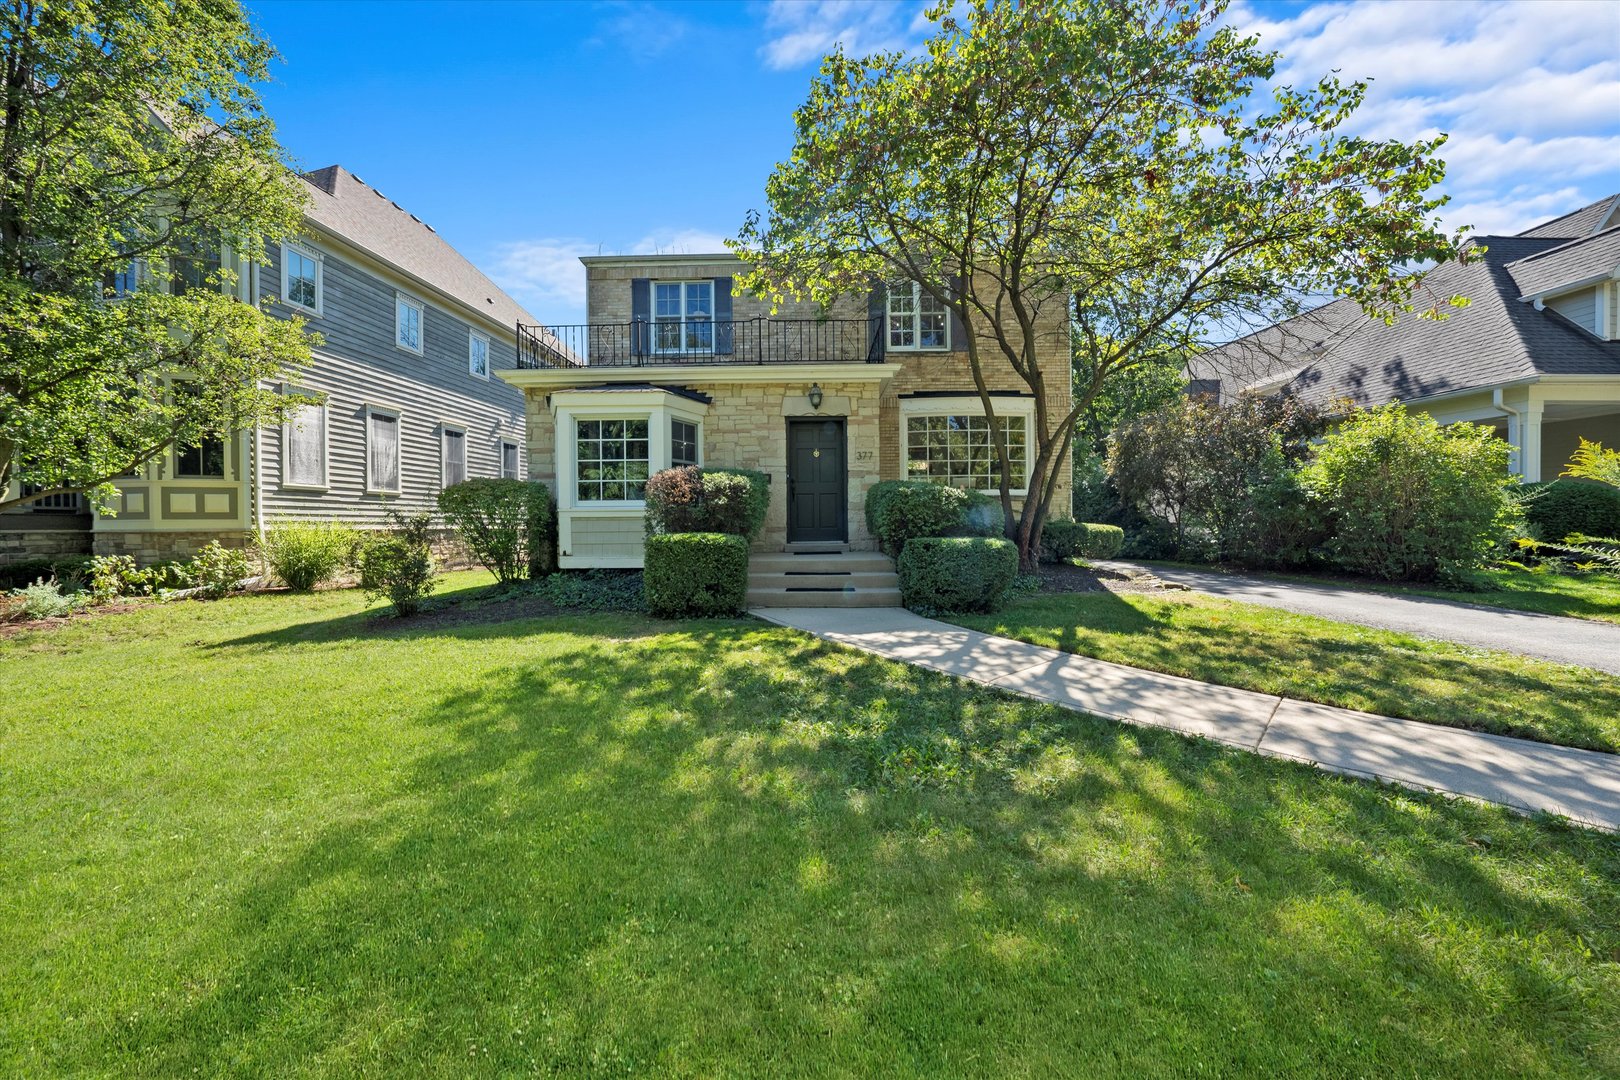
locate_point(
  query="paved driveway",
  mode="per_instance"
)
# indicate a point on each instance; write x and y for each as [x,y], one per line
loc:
[1548,637]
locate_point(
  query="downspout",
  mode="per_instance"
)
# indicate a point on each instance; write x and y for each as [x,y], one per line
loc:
[1515,427]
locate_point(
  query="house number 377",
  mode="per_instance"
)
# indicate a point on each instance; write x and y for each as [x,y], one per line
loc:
[863,455]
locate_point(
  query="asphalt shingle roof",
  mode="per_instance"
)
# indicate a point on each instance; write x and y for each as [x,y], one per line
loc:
[342,203]
[1578,260]
[1577,223]
[1337,351]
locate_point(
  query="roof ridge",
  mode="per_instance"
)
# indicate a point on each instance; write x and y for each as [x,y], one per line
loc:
[1556,248]
[1612,200]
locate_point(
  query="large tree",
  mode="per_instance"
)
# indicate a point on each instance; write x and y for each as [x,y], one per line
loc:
[1107,157]
[132,138]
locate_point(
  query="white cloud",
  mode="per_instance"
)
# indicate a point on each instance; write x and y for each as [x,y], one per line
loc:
[1529,92]
[803,31]
[546,276]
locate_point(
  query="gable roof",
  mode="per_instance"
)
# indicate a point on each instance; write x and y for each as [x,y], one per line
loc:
[1337,351]
[344,205]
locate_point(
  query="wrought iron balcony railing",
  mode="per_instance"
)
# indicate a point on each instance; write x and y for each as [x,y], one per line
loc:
[701,341]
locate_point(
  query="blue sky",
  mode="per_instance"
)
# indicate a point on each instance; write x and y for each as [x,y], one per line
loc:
[530,134]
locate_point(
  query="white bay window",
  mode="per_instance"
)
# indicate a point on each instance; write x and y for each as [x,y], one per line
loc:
[948,440]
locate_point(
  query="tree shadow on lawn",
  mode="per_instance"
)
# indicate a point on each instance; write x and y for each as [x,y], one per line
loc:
[1371,674]
[726,848]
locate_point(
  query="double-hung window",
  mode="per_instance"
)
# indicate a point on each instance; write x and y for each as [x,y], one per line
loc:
[683,442]
[958,450]
[509,460]
[408,323]
[477,354]
[382,451]
[683,316]
[303,462]
[300,279]
[611,459]
[916,320]
[454,457]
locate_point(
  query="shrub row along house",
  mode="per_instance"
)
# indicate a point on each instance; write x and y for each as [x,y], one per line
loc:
[675,367]
[412,334]
[1535,354]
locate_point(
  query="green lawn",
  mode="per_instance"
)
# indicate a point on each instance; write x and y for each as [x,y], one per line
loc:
[1582,596]
[1314,659]
[276,836]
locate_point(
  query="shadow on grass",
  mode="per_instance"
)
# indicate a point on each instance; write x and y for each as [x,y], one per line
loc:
[705,848]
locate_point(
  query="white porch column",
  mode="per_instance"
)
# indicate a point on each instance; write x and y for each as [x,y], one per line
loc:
[1530,446]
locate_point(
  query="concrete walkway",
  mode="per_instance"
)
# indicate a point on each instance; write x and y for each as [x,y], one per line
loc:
[1547,637]
[1580,784]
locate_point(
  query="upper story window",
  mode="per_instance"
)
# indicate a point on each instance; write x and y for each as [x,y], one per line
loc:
[120,281]
[477,354]
[683,316]
[408,323]
[300,278]
[916,320]
[194,266]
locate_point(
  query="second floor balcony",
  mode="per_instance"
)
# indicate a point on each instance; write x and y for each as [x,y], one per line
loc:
[650,343]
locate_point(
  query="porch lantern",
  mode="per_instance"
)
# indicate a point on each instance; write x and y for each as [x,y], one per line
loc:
[815,395]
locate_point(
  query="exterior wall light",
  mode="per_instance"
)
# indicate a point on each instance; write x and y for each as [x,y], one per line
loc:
[815,395]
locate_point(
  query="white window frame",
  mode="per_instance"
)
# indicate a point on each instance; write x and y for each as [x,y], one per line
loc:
[916,314]
[474,338]
[913,408]
[445,431]
[684,285]
[670,420]
[288,248]
[326,446]
[402,300]
[517,459]
[651,420]
[657,407]
[398,416]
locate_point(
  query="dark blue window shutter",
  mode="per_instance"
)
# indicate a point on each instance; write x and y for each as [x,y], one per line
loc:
[877,320]
[724,342]
[959,339]
[640,315]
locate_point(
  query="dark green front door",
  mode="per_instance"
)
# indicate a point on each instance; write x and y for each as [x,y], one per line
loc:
[817,481]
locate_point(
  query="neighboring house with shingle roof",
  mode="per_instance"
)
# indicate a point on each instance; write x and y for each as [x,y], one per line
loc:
[1535,354]
[411,335]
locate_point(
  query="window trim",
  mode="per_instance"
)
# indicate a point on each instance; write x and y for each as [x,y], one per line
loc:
[326,446]
[517,459]
[650,418]
[445,431]
[313,255]
[654,322]
[969,405]
[473,336]
[671,419]
[399,449]
[917,296]
[403,298]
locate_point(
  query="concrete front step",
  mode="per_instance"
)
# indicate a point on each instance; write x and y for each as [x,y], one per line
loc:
[850,598]
[853,562]
[864,579]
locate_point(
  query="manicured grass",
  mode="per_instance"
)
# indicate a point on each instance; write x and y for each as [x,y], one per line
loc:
[1581,596]
[274,836]
[1313,659]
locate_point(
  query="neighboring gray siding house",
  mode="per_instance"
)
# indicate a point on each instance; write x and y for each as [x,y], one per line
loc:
[412,334]
[1536,354]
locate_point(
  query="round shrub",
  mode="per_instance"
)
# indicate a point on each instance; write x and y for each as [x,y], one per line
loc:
[397,564]
[689,499]
[695,573]
[304,554]
[899,510]
[505,523]
[1065,540]
[1565,507]
[956,573]
[1407,499]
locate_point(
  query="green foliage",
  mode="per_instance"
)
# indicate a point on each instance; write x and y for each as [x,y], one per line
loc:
[898,510]
[594,590]
[144,138]
[1592,462]
[72,571]
[1407,499]
[216,570]
[956,573]
[542,534]
[696,574]
[112,576]
[304,554]
[1091,150]
[44,599]
[1219,479]
[398,564]
[689,499]
[506,524]
[1063,540]
[1565,507]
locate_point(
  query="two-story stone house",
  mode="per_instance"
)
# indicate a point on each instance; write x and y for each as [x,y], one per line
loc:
[412,334]
[677,367]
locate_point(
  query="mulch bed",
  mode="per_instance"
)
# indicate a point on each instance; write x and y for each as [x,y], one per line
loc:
[1077,578]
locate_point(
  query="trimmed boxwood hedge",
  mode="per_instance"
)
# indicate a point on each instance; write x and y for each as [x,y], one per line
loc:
[1065,540]
[899,510]
[956,573]
[1572,506]
[695,573]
